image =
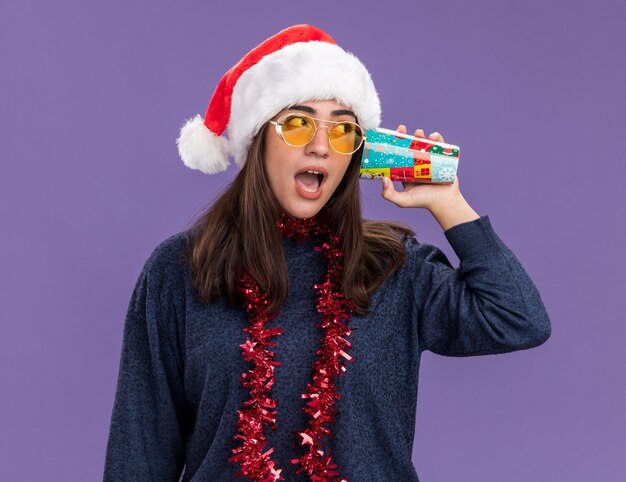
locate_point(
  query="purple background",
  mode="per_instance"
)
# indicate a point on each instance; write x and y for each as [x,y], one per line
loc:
[92,97]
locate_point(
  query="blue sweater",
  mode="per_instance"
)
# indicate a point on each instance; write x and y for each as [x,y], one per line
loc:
[179,386]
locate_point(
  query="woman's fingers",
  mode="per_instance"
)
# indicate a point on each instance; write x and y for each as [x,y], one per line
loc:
[435,136]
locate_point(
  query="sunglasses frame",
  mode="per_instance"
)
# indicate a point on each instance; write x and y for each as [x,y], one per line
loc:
[278,125]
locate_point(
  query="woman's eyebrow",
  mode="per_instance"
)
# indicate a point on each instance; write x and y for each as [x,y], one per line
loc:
[311,110]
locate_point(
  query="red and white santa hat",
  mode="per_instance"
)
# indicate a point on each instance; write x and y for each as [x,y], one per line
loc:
[298,64]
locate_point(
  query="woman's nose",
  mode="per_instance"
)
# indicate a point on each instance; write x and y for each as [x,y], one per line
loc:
[319,144]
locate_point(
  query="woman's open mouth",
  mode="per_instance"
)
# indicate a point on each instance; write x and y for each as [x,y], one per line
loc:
[309,182]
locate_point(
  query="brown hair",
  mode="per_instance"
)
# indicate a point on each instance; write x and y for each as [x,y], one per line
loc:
[238,232]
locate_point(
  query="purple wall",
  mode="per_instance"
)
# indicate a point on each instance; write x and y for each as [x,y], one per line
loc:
[92,96]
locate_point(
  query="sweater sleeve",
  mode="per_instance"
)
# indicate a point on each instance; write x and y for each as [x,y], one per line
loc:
[486,306]
[147,430]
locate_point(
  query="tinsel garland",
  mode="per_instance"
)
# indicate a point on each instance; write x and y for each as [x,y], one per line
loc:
[260,409]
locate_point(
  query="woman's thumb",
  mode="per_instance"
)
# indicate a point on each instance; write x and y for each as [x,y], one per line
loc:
[389,192]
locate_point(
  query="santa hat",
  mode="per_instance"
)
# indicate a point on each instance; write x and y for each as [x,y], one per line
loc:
[298,64]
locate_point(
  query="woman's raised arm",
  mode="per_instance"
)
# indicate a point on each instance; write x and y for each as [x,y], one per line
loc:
[486,306]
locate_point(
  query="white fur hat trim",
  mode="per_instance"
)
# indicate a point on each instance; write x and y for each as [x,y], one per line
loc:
[202,149]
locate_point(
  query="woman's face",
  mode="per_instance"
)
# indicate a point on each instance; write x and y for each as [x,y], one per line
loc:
[304,178]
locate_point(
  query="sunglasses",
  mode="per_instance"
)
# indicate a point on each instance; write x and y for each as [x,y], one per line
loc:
[298,130]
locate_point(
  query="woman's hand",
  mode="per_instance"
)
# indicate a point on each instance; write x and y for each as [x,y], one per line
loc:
[444,201]
[422,195]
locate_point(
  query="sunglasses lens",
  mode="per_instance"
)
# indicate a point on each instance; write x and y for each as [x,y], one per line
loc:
[298,130]
[346,137]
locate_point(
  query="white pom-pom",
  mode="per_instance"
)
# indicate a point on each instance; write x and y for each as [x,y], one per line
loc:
[201,149]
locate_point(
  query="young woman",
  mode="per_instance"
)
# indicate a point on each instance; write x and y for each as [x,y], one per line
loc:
[279,337]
